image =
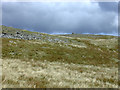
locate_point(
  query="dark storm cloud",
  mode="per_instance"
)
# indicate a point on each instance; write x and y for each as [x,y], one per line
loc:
[109,6]
[60,17]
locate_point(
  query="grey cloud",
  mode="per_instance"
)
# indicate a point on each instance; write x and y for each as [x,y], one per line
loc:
[60,17]
[109,6]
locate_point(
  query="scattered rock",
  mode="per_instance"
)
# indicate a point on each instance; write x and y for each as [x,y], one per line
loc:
[8,32]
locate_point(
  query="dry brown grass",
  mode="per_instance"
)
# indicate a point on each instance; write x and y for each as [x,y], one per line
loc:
[108,43]
[29,74]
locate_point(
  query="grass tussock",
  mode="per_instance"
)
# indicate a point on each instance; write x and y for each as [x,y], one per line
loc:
[41,74]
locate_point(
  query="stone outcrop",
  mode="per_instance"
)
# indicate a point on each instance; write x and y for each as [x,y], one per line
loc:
[9,32]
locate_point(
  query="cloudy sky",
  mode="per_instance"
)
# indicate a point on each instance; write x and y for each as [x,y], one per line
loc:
[62,17]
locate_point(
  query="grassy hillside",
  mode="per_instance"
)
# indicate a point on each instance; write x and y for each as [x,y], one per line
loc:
[73,60]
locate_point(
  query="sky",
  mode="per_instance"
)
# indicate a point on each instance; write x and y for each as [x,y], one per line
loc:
[62,17]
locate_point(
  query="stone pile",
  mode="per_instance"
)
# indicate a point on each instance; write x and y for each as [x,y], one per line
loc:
[20,35]
[32,36]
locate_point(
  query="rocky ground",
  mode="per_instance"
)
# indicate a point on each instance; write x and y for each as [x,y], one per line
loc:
[9,32]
